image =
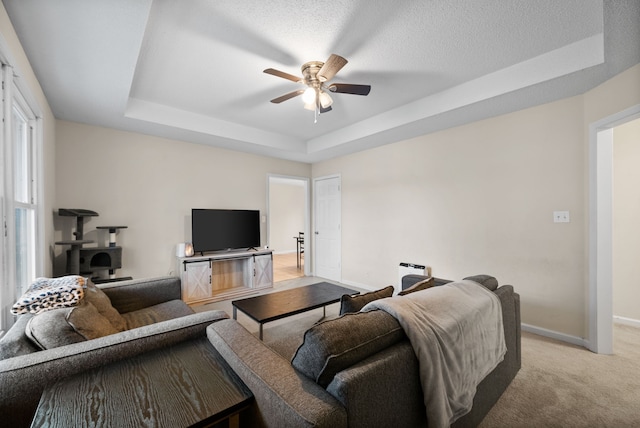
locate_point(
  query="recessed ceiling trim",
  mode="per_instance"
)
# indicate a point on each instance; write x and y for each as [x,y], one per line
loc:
[177,118]
[568,59]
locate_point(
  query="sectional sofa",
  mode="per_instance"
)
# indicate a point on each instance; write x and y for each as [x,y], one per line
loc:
[361,370]
[154,315]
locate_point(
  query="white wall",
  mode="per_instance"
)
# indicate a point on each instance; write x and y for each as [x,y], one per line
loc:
[150,185]
[479,198]
[286,211]
[626,220]
[474,199]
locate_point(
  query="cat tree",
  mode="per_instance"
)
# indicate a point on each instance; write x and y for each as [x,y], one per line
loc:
[91,260]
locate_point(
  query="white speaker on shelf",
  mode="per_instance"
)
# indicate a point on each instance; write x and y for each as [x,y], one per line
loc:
[180,249]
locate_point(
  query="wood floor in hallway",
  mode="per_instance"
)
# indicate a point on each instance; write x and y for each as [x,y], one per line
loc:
[285,267]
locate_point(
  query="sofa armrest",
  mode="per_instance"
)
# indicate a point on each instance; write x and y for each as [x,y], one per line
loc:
[383,390]
[135,294]
[284,397]
[24,378]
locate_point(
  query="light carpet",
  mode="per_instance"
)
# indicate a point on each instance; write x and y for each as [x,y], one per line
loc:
[562,385]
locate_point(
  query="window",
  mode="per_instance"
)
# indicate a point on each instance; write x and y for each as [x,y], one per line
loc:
[24,199]
[19,197]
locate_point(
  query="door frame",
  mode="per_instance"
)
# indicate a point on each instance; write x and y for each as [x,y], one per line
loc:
[601,228]
[307,211]
[314,219]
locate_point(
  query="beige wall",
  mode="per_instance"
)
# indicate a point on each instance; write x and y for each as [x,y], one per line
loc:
[287,210]
[479,199]
[150,185]
[626,220]
[472,199]
[24,72]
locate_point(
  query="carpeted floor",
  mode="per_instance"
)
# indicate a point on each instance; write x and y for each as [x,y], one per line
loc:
[559,385]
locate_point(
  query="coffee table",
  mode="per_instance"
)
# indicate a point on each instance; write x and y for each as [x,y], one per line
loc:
[274,306]
[185,385]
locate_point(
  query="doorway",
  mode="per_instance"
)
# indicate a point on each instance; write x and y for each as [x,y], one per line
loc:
[327,227]
[287,225]
[601,229]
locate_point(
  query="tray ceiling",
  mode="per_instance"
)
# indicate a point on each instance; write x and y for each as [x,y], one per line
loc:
[192,70]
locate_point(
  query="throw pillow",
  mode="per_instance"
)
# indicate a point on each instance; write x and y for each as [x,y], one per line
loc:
[50,293]
[101,301]
[50,329]
[422,285]
[350,304]
[332,346]
[15,342]
[65,326]
[87,321]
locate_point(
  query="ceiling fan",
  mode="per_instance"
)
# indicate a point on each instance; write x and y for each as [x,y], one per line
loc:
[316,75]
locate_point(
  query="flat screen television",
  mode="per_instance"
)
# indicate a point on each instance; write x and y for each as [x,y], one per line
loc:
[216,230]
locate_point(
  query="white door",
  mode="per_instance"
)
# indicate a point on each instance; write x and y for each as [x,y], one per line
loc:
[327,228]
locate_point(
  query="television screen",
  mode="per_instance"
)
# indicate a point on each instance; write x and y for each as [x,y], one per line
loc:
[215,230]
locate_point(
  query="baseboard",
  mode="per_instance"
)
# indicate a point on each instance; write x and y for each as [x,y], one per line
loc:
[574,340]
[358,285]
[626,321]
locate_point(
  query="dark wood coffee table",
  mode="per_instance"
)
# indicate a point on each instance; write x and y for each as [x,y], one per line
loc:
[274,306]
[185,385]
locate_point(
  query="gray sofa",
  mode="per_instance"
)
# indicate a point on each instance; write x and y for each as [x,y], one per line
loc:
[377,386]
[156,317]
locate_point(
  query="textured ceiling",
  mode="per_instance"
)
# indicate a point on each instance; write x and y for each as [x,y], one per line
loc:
[193,70]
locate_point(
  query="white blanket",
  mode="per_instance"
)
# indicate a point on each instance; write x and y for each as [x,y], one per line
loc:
[457,334]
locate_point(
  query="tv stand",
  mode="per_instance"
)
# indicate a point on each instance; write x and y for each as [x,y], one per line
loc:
[221,276]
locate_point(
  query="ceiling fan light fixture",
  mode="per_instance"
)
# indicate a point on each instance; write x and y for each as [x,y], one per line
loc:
[309,96]
[317,94]
[325,99]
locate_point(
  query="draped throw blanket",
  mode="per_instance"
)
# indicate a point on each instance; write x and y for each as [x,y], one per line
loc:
[457,334]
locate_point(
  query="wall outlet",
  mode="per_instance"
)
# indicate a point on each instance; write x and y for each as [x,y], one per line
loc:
[561,217]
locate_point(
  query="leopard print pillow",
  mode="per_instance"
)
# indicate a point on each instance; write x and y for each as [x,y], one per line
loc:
[50,293]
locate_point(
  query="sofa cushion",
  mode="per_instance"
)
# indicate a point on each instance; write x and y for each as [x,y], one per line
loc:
[422,285]
[350,304]
[50,329]
[101,301]
[157,313]
[15,342]
[65,326]
[331,346]
[87,321]
[50,293]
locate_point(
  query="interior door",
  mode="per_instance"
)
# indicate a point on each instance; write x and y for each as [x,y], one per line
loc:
[327,228]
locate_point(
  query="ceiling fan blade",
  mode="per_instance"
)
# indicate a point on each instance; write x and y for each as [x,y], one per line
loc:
[331,67]
[325,109]
[285,97]
[284,75]
[346,88]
